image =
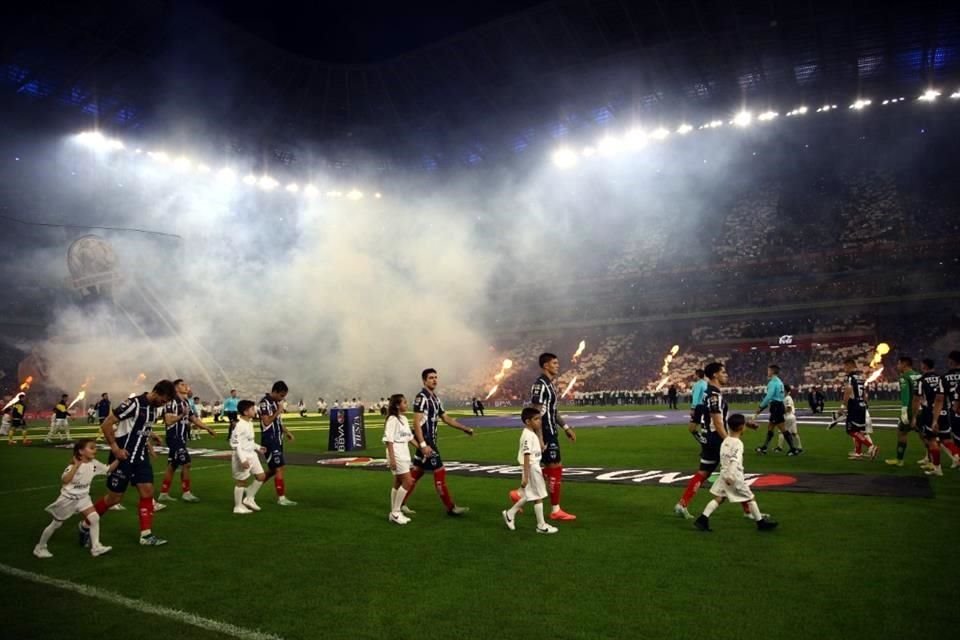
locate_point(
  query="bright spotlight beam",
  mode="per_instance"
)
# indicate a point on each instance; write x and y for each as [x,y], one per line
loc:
[742,119]
[564,158]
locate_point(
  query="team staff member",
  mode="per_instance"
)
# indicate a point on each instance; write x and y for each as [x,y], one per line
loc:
[230,411]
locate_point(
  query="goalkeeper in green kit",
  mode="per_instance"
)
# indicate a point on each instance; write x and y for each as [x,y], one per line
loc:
[908,388]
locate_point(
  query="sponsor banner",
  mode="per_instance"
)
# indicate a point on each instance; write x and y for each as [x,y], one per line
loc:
[830,483]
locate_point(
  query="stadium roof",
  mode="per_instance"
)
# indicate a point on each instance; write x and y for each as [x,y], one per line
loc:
[504,86]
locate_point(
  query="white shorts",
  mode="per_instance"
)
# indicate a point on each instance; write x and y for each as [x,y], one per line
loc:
[63,508]
[790,424]
[536,488]
[403,461]
[738,492]
[869,427]
[239,473]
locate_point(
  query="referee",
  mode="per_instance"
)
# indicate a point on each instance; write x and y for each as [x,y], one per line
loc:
[774,400]
[230,410]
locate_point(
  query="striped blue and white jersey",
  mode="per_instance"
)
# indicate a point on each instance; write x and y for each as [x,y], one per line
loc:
[135,426]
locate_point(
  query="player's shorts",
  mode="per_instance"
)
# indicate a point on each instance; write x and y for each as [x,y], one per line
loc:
[275,458]
[239,473]
[128,472]
[710,452]
[856,418]
[777,412]
[904,427]
[551,453]
[63,507]
[231,416]
[536,488]
[790,423]
[403,461]
[178,455]
[61,423]
[696,414]
[737,492]
[430,463]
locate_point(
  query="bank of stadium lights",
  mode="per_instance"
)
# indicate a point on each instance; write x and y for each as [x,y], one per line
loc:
[860,104]
[250,179]
[293,187]
[99,142]
[684,129]
[311,191]
[227,175]
[267,183]
[742,119]
[826,107]
[930,95]
[659,134]
[767,116]
[354,194]
[182,163]
[955,95]
[799,111]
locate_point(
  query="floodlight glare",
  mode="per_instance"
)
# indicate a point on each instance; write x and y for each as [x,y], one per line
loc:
[250,179]
[311,190]
[293,187]
[660,133]
[767,115]
[267,183]
[564,158]
[684,129]
[742,119]
[930,95]
[353,194]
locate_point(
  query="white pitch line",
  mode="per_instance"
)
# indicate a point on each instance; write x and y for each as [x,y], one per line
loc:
[112,598]
[28,489]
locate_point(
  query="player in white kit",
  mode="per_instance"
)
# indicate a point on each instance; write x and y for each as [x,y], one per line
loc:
[731,485]
[533,488]
[75,497]
[789,420]
[397,436]
[246,461]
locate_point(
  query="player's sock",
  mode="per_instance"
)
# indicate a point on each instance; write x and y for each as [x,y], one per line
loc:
[185,485]
[901,450]
[440,482]
[779,441]
[393,499]
[416,473]
[951,447]
[789,438]
[94,521]
[710,508]
[554,482]
[238,496]
[398,496]
[518,505]
[935,456]
[692,487]
[48,532]
[867,439]
[746,509]
[280,486]
[796,439]
[145,512]
[253,488]
[766,443]
[165,486]
[538,510]
[101,506]
[754,510]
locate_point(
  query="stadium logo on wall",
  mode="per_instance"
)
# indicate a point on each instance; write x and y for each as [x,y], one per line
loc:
[786,339]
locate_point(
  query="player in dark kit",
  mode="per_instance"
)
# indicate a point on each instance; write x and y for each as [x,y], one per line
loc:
[931,417]
[272,434]
[855,401]
[177,417]
[544,397]
[713,429]
[427,413]
[951,383]
[128,431]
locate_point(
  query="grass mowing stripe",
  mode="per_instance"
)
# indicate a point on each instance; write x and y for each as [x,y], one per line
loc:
[137,605]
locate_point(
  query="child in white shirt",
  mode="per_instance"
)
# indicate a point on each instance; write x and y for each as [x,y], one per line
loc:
[397,436]
[75,497]
[245,461]
[532,485]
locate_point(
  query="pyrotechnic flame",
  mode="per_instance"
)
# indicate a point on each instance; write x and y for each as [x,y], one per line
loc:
[662,383]
[569,386]
[141,377]
[492,391]
[875,376]
[579,351]
[12,402]
[26,383]
[506,366]
[882,349]
[80,396]
[665,369]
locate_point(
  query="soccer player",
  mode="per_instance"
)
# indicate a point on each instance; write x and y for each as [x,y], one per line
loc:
[789,420]
[130,444]
[178,415]
[908,385]
[75,497]
[932,418]
[230,408]
[18,420]
[245,461]
[397,436]
[532,485]
[951,382]
[545,398]
[272,434]
[774,400]
[61,420]
[732,485]
[854,399]
[697,392]
[427,413]
[103,412]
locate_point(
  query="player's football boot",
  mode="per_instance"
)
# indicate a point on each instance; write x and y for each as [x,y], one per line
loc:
[547,529]
[765,524]
[935,471]
[893,462]
[164,497]
[158,506]
[703,523]
[151,540]
[41,552]
[83,535]
[681,511]
[407,511]
[251,504]
[189,497]
[398,518]
[562,515]
[241,510]
[761,450]
[873,451]
[507,520]
[458,511]
[284,501]
[99,551]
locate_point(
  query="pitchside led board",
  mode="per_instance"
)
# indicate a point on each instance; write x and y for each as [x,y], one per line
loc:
[347,431]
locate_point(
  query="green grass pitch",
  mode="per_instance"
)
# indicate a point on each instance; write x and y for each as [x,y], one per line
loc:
[333,567]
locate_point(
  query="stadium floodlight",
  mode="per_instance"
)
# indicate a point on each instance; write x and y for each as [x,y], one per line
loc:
[96,140]
[930,95]
[354,194]
[311,190]
[659,133]
[159,156]
[860,104]
[226,174]
[138,150]
[742,119]
[885,102]
[267,183]
[767,115]
[202,168]
[377,195]
[564,158]
[293,187]
[588,151]
[182,163]
[334,194]
[608,145]
[250,179]
[955,95]
[635,138]
[684,129]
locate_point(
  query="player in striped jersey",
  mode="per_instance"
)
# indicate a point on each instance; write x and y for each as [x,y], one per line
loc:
[272,434]
[178,416]
[428,411]
[130,444]
[855,401]
[545,398]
